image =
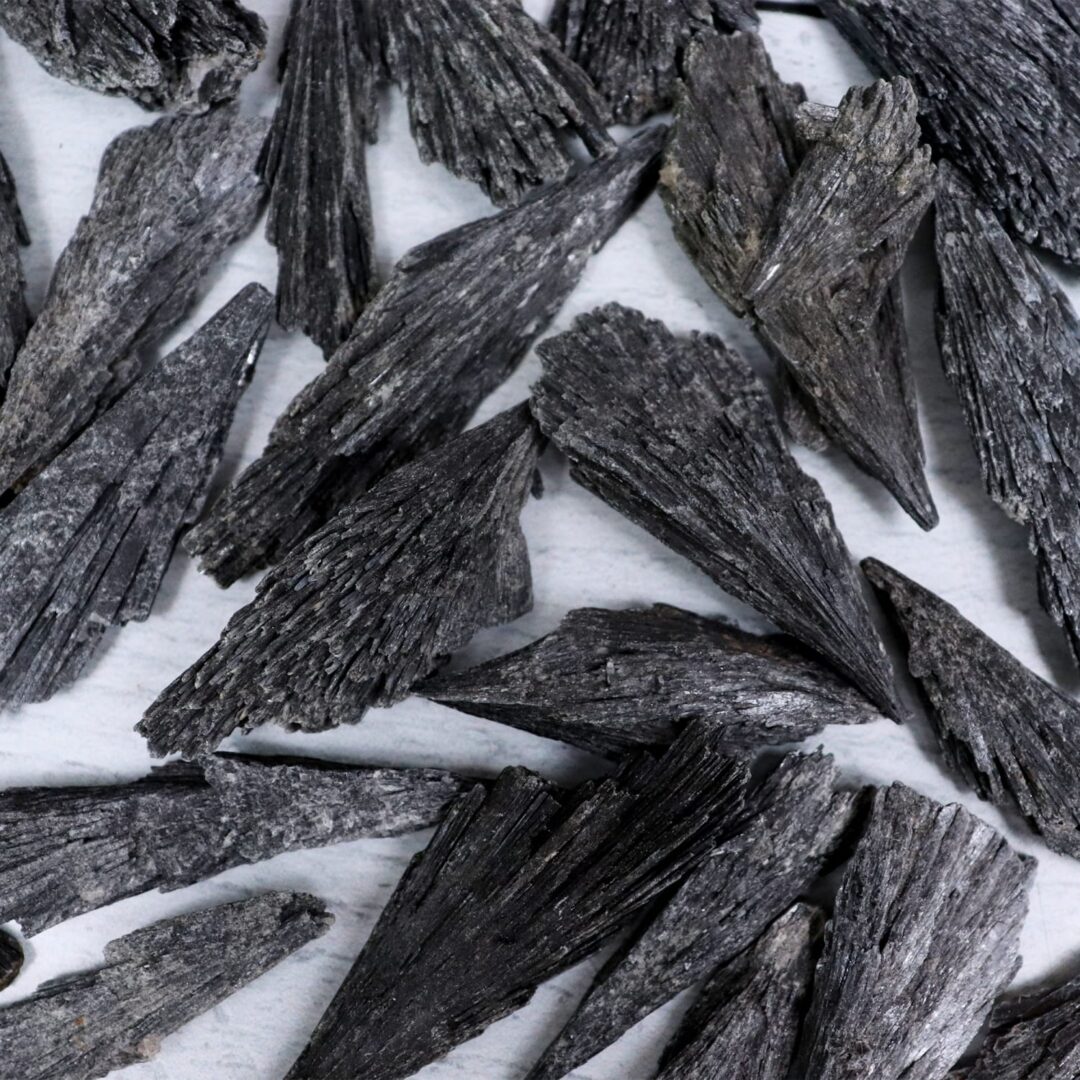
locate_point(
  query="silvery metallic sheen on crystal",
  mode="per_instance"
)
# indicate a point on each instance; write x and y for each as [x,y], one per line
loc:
[14,314]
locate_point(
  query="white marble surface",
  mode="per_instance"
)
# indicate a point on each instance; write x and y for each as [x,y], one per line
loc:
[583,553]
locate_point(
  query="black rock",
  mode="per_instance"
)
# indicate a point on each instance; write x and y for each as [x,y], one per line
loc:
[11,959]
[421,358]
[923,937]
[14,314]
[370,604]
[631,49]
[169,200]
[609,681]
[797,827]
[164,54]
[314,162]
[518,884]
[152,982]
[490,92]
[1010,343]
[86,545]
[680,435]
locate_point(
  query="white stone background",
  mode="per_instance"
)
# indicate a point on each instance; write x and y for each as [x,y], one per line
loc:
[583,553]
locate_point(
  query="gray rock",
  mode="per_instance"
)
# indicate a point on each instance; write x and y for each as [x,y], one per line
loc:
[11,959]
[14,314]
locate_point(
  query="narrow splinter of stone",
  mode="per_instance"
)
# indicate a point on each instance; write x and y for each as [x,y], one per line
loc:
[170,198]
[370,604]
[609,681]
[151,983]
[455,319]
[14,314]
[679,434]
[11,959]
[518,884]
[86,545]
[924,935]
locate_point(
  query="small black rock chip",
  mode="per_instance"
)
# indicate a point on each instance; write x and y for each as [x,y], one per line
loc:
[11,959]
[14,314]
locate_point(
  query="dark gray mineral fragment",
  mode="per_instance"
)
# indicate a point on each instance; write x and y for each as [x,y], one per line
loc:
[518,884]
[631,49]
[491,95]
[1008,733]
[86,544]
[164,54]
[66,851]
[372,602]
[923,937]
[796,829]
[1010,343]
[14,314]
[151,983]
[11,959]
[170,198]
[609,681]
[456,317]
[681,437]
[314,163]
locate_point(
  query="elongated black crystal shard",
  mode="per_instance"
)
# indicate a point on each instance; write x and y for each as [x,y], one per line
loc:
[314,163]
[152,982]
[169,200]
[1011,735]
[14,314]
[456,317]
[796,828]
[631,48]
[11,959]
[681,437]
[746,1022]
[490,92]
[923,937]
[397,580]
[518,884]
[999,95]
[86,545]
[164,54]
[609,681]
[1010,343]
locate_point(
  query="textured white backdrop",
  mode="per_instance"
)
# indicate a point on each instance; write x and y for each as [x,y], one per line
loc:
[583,553]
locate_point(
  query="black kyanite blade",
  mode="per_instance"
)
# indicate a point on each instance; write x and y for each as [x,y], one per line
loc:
[999,96]
[746,1022]
[170,198]
[518,884]
[86,544]
[164,54]
[11,959]
[369,605]
[1008,733]
[456,317]
[314,163]
[609,681]
[923,937]
[66,851]
[797,827]
[631,49]
[1010,343]
[679,434]
[491,95]
[151,983]
[14,314]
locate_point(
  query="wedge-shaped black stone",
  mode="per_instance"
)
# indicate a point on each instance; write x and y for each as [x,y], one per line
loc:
[183,54]
[14,314]
[86,545]
[609,681]
[797,827]
[1008,733]
[491,95]
[631,48]
[11,959]
[456,317]
[518,884]
[314,162]
[369,605]
[66,851]
[152,982]
[998,91]
[923,937]
[1010,343]
[169,200]
[746,1022]
[681,437]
